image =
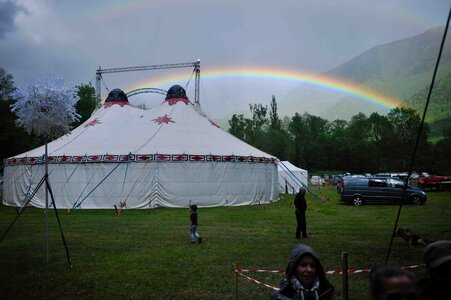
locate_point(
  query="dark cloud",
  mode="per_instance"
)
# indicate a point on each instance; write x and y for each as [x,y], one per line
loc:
[8,13]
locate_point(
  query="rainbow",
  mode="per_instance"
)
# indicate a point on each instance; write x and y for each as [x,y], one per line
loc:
[320,82]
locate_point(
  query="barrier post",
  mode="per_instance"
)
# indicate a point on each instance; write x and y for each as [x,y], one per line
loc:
[345,282]
[236,280]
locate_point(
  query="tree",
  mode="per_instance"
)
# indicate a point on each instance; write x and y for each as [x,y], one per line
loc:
[337,145]
[274,120]
[359,148]
[7,87]
[13,140]
[278,143]
[259,112]
[309,134]
[298,128]
[380,134]
[439,160]
[406,123]
[256,126]
[86,103]
[238,126]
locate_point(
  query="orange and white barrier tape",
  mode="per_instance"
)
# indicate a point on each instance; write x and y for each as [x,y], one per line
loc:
[258,282]
[354,271]
[332,272]
[252,270]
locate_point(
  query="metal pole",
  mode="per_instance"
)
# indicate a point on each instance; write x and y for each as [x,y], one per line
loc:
[344,259]
[197,85]
[46,207]
[98,87]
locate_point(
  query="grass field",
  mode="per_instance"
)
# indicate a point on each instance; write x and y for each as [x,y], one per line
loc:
[147,255]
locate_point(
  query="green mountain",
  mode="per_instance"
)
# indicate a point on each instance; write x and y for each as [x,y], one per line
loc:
[400,69]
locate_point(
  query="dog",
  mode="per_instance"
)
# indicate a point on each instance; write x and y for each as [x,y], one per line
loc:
[411,238]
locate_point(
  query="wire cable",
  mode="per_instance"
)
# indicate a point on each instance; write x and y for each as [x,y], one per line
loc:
[418,136]
[189,80]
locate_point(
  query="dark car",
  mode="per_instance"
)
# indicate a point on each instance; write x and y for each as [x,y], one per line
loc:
[366,190]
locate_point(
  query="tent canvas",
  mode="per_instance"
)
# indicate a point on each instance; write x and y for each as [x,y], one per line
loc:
[168,156]
[291,177]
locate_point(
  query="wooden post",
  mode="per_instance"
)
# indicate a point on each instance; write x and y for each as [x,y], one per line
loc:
[116,211]
[236,280]
[344,259]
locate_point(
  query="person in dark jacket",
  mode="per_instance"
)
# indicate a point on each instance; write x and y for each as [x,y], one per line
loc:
[301,206]
[305,277]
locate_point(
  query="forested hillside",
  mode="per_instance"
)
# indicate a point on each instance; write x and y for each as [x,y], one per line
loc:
[439,109]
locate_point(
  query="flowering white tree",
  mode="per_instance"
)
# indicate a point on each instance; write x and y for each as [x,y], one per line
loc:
[46,108]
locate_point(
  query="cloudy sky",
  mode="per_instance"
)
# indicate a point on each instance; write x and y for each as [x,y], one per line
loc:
[72,38]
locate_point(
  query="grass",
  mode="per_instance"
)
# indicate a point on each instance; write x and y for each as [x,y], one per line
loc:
[147,254]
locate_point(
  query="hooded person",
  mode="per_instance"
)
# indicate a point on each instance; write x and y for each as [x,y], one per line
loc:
[305,277]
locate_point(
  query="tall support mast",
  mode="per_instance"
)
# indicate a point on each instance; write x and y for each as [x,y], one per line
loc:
[98,86]
[195,64]
[197,84]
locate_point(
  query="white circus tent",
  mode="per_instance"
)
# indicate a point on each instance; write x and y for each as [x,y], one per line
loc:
[291,178]
[168,156]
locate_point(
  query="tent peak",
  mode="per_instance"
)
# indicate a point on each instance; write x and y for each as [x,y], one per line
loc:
[176,91]
[116,96]
[175,94]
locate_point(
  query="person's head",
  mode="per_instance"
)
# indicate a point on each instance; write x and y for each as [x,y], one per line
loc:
[302,190]
[193,207]
[437,257]
[305,265]
[391,282]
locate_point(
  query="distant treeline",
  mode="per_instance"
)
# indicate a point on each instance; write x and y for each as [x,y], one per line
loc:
[375,143]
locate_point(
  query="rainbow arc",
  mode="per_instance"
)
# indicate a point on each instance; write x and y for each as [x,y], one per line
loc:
[320,82]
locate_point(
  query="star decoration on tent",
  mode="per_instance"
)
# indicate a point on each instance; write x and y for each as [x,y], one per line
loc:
[163,119]
[93,123]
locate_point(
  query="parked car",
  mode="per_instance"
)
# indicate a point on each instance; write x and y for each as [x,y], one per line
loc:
[317,180]
[435,182]
[387,190]
[336,178]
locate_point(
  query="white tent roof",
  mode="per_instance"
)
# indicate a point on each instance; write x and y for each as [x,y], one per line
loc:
[167,129]
[289,166]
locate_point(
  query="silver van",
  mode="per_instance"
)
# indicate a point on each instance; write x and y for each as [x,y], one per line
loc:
[389,190]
